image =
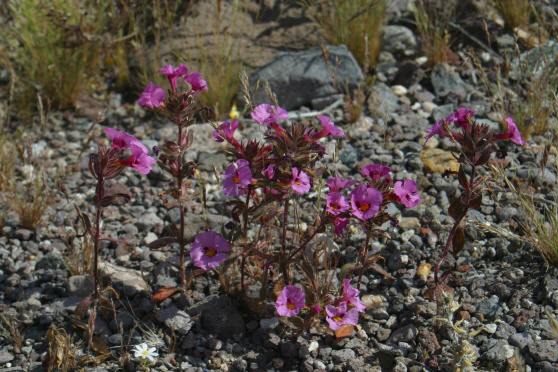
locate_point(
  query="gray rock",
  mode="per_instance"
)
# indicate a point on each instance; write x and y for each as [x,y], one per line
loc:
[489,307]
[500,352]
[403,334]
[307,74]
[148,221]
[80,285]
[127,281]
[521,341]
[544,350]
[51,261]
[398,39]
[175,319]
[5,357]
[505,331]
[446,80]
[380,99]
[442,112]
[224,322]
[343,355]
[289,349]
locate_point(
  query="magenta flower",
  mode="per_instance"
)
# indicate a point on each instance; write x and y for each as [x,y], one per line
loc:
[290,301]
[365,202]
[337,184]
[461,117]
[267,114]
[269,171]
[375,171]
[237,175]
[300,182]
[139,160]
[351,296]
[227,129]
[336,203]
[122,140]
[438,128]
[207,250]
[329,129]
[152,96]
[513,134]
[197,83]
[174,73]
[336,317]
[407,193]
[340,225]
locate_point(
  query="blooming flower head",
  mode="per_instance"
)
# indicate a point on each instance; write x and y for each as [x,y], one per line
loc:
[152,96]
[365,202]
[329,129]
[407,192]
[196,82]
[336,203]
[337,184]
[267,114]
[290,301]
[139,160]
[340,225]
[122,140]
[237,175]
[336,317]
[142,351]
[438,128]
[227,129]
[207,250]
[461,117]
[513,134]
[300,182]
[351,296]
[375,171]
[174,73]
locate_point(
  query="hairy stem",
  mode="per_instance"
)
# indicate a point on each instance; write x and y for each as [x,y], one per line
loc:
[97,236]
[363,255]
[179,187]
[284,263]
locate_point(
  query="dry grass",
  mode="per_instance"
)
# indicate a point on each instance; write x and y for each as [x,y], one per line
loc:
[355,23]
[516,13]
[432,19]
[55,47]
[354,105]
[11,328]
[79,251]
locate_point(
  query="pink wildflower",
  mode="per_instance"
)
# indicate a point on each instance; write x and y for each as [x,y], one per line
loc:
[300,182]
[340,225]
[407,192]
[336,317]
[152,96]
[196,82]
[329,129]
[227,129]
[438,128]
[207,250]
[122,140]
[290,301]
[336,203]
[237,175]
[269,171]
[461,117]
[267,114]
[375,171]
[139,160]
[337,184]
[365,202]
[174,73]
[513,134]
[351,296]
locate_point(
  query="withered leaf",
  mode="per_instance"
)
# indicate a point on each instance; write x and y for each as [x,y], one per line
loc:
[164,293]
[344,330]
[162,242]
[83,308]
[98,345]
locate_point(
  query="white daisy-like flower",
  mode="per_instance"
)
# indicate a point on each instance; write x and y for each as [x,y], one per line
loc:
[141,351]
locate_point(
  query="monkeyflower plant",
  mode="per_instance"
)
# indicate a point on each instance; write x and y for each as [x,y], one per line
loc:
[106,164]
[269,179]
[179,105]
[476,143]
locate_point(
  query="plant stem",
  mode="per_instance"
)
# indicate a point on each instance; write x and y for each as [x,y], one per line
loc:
[179,187]
[284,263]
[97,237]
[363,255]
[248,194]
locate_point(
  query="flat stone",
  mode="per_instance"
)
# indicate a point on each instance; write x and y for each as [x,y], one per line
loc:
[403,334]
[544,350]
[5,357]
[80,285]
[343,355]
[175,319]
[438,161]
[127,281]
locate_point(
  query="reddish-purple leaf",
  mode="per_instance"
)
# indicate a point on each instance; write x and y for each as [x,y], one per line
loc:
[476,202]
[463,178]
[456,209]
[458,241]
[164,293]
